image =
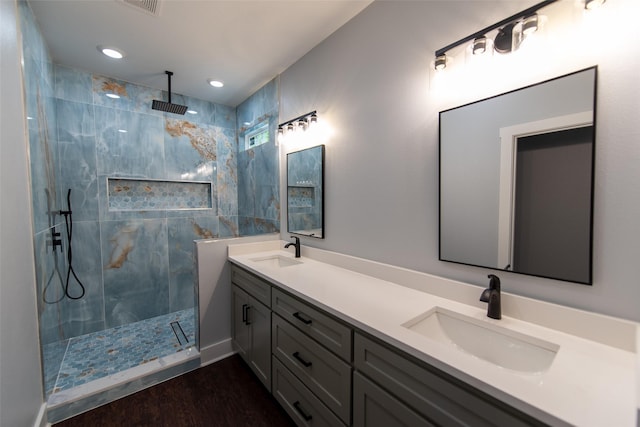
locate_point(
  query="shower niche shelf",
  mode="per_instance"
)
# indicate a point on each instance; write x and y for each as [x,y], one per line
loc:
[134,194]
[301,196]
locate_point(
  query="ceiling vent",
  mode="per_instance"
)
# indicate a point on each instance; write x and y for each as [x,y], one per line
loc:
[151,7]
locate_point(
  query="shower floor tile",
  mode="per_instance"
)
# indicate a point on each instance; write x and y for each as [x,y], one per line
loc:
[100,354]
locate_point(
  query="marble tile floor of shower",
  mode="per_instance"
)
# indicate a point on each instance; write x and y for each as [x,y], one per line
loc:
[104,353]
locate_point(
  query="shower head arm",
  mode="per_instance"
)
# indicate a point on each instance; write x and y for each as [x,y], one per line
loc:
[169,74]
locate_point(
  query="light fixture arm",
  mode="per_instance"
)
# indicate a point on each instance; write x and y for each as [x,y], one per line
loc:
[512,18]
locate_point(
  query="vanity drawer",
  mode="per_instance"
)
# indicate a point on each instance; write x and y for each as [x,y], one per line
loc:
[328,377]
[374,407]
[255,286]
[305,408]
[327,331]
[433,394]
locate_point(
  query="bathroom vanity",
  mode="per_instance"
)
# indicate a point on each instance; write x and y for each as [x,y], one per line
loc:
[342,341]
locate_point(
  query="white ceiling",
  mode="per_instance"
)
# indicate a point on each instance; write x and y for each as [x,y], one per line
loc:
[244,43]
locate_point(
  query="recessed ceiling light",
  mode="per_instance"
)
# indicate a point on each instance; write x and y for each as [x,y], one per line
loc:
[111,52]
[113,96]
[192,112]
[215,83]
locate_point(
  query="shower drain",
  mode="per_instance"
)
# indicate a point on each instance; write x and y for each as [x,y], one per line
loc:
[179,333]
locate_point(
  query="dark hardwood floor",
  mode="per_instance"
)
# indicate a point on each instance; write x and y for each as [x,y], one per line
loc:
[223,394]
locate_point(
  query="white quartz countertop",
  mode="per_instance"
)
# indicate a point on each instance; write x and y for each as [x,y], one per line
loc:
[588,383]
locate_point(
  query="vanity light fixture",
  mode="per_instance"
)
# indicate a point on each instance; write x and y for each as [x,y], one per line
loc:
[300,123]
[526,21]
[530,24]
[593,4]
[479,45]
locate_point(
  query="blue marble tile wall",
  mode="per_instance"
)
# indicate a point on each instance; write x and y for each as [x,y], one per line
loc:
[144,261]
[258,167]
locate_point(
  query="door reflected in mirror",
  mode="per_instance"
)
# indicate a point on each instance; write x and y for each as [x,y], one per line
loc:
[305,192]
[516,180]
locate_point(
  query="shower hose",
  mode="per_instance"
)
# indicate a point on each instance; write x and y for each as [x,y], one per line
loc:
[68,220]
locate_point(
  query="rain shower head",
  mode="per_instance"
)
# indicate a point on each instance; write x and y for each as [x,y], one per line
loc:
[168,106]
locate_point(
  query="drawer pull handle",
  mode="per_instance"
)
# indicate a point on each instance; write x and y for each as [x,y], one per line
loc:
[246,321]
[298,408]
[301,360]
[302,319]
[244,313]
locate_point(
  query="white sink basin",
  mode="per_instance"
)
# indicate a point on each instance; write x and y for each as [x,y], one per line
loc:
[277,261]
[495,344]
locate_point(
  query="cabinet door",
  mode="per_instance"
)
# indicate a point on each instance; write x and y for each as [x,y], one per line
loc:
[374,407]
[239,327]
[259,320]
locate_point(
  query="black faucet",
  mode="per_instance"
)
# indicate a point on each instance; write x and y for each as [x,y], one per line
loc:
[492,296]
[296,244]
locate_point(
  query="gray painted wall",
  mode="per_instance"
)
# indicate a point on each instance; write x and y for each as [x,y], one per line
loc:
[370,81]
[20,380]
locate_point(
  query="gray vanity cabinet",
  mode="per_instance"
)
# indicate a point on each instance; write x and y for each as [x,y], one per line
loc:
[325,374]
[251,323]
[417,389]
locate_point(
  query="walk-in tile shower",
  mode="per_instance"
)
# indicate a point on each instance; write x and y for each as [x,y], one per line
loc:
[115,268]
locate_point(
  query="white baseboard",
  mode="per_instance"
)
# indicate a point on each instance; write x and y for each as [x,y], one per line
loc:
[41,418]
[215,352]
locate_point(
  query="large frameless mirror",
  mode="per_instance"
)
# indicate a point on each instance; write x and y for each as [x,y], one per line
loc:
[516,180]
[305,192]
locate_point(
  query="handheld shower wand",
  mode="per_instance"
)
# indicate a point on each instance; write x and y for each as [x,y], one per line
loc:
[68,220]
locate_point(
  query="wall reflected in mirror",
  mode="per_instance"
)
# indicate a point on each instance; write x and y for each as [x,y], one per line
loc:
[305,192]
[516,180]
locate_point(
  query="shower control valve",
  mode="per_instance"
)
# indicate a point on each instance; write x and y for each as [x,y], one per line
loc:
[55,239]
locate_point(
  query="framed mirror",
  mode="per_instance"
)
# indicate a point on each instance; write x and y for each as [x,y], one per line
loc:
[516,180]
[305,192]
